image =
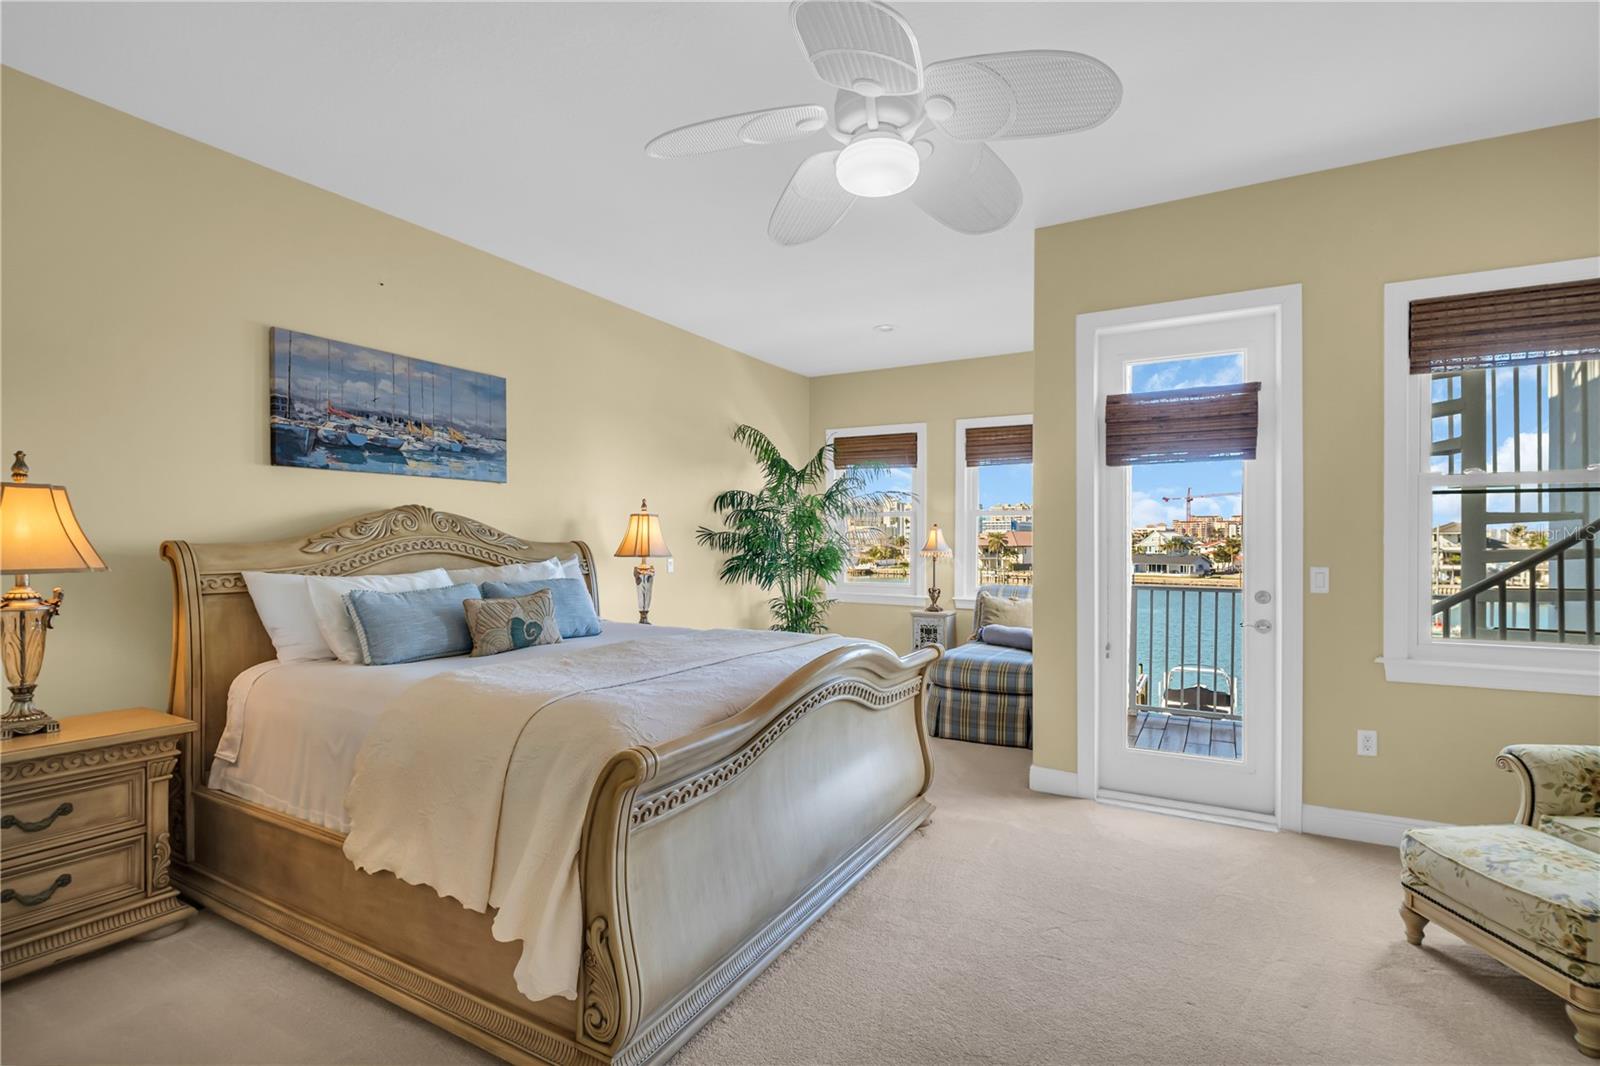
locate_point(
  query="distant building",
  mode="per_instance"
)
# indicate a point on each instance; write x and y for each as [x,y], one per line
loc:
[1003,517]
[1209,527]
[1157,540]
[1162,563]
[1022,541]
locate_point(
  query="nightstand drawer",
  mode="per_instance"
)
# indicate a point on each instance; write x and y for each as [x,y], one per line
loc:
[39,889]
[34,818]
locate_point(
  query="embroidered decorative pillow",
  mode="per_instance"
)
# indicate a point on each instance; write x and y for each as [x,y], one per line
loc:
[513,622]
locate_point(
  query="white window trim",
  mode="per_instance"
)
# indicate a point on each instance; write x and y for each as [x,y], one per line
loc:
[1410,654]
[966,545]
[915,596]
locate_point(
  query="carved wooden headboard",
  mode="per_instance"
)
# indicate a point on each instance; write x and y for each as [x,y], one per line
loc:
[216,633]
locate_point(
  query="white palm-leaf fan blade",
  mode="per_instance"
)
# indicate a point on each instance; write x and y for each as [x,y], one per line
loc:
[964,185]
[1009,95]
[772,126]
[812,204]
[860,45]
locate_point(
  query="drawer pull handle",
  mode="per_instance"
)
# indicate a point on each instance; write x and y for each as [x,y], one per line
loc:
[11,821]
[33,899]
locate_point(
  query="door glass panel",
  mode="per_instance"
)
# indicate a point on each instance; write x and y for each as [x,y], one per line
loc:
[1186,541]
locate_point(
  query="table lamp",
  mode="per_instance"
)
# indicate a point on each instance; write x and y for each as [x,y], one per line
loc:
[935,549]
[643,541]
[39,534]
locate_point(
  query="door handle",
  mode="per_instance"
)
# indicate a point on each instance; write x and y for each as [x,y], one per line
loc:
[1260,625]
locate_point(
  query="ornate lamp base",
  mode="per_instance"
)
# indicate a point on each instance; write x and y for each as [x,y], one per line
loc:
[644,577]
[25,618]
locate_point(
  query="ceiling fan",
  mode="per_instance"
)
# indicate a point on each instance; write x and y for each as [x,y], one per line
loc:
[905,127]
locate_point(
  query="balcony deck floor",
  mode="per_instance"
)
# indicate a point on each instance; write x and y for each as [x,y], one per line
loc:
[1159,731]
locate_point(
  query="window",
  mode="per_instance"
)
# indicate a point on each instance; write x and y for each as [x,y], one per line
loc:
[884,566]
[1492,479]
[994,504]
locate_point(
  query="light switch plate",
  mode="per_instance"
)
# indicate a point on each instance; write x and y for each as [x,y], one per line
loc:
[669,564]
[1366,742]
[1319,580]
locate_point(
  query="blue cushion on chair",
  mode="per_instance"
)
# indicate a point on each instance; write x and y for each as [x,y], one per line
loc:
[406,627]
[575,615]
[978,667]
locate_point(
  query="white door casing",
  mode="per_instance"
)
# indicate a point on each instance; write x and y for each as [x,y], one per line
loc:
[1264,788]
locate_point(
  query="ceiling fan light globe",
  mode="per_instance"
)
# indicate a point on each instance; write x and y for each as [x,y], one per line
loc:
[877,164]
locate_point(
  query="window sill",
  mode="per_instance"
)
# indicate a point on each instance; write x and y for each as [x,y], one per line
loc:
[883,599]
[1582,681]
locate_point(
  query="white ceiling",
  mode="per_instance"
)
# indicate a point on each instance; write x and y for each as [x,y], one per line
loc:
[519,128]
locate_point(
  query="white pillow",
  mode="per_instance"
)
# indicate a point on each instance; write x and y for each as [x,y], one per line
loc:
[572,567]
[546,570]
[333,619]
[284,605]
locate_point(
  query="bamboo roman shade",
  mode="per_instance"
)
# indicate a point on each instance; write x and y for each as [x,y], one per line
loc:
[1182,425]
[890,449]
[992,445]
[1507,327]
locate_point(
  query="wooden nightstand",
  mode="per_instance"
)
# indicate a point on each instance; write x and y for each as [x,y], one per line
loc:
[85,855]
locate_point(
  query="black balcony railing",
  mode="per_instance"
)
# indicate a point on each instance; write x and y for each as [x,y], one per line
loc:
[1185,653]
[1567,598]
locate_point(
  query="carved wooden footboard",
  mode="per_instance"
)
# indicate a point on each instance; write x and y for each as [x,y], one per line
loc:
[701,860]
[705,858]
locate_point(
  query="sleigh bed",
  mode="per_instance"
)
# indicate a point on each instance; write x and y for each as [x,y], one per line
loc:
[700,859]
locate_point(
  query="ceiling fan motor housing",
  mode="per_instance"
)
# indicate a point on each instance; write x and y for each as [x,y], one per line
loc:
[852,113]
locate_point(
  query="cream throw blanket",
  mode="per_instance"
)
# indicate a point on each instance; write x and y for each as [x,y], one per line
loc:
[476,782]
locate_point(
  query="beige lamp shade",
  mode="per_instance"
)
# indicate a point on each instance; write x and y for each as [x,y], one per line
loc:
[39,534]
[643,539]
[936,548]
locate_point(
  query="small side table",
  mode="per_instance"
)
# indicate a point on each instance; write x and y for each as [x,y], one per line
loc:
[85,850]
[932,627]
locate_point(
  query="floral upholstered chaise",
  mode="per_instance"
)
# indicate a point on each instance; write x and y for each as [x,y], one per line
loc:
[1527,893]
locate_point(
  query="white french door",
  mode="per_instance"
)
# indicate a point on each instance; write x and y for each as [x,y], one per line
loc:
[1187,585]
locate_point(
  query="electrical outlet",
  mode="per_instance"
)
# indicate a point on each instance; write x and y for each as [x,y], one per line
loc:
[1319,580]
[1366,742]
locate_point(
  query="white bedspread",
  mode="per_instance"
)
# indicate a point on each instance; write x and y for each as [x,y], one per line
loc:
[476,781]
[294,729]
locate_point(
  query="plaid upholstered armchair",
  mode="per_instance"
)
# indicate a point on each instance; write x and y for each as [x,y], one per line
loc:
[983,692]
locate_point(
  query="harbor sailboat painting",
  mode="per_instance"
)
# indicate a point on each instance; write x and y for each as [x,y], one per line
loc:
[340,406]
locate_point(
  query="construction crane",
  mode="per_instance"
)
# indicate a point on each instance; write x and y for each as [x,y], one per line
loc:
[1189,496]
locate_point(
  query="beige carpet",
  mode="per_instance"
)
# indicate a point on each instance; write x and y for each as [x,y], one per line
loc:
[1018,928]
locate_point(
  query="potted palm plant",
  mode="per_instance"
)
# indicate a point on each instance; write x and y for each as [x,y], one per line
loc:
[789,536]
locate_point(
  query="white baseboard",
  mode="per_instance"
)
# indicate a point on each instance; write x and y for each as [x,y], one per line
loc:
[1358,825]
[1055,782]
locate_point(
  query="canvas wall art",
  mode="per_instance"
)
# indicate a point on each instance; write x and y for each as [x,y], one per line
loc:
[341,406]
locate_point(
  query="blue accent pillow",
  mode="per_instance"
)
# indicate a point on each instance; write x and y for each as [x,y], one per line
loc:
[1007,636]
[406,627]
[575,615]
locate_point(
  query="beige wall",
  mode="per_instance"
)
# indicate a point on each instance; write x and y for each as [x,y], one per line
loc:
[937,394]
[142,271]
[1341,234]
